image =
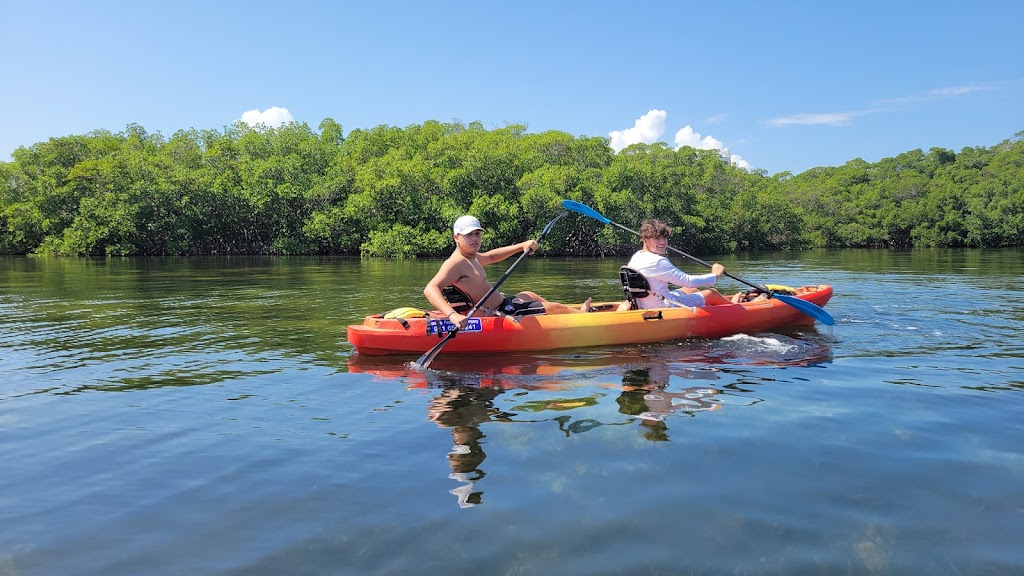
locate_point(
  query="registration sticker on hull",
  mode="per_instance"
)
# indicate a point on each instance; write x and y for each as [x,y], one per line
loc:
[435,326]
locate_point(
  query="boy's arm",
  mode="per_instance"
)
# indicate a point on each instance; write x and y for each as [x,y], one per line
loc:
[499,254]
[667,272]
[447,274]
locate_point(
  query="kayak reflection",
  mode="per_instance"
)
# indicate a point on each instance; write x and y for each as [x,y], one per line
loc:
[652,386]
[643,398]
[803,348]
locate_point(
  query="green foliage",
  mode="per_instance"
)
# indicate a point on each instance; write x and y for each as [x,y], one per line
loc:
[394,192]
[402,241]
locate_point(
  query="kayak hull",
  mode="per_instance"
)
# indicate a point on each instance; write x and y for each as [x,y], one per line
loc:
[380,336]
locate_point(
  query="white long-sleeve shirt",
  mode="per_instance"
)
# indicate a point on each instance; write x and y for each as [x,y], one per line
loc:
[660,273]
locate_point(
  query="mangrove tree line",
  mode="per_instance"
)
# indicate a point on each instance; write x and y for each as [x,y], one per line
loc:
[392,191]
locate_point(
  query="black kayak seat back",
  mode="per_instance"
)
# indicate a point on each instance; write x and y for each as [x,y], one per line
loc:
[634,286]
[460,301]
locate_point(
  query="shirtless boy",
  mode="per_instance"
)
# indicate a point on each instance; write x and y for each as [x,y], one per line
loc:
[465,269]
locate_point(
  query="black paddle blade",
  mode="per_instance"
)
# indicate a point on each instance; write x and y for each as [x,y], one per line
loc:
[424,361]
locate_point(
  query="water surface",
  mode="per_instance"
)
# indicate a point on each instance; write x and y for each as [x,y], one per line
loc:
[206,416]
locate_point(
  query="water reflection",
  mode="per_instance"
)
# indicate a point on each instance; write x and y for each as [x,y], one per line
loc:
[566,422]
[646,395]
[792,348]
[576,393]
[462,409]
[650,387]
[69,326]
[531,371]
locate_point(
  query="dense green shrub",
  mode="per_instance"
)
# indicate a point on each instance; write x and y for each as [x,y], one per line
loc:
[394,192]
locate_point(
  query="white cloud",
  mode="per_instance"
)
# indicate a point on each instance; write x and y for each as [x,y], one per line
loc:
[954,91]
[689,137]
[884,105]
[739,161]
[833,119]
[271,117]
[647,129]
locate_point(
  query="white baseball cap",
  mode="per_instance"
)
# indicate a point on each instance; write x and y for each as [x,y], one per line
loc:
[466,224]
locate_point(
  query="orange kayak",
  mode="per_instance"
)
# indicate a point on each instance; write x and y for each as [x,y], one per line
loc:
[380,336]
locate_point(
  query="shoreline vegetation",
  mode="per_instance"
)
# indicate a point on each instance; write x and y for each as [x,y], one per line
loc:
[394,192]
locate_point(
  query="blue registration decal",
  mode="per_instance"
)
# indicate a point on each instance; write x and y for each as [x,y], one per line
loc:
[435,326]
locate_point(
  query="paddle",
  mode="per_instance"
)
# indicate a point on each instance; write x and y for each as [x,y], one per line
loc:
[812,310]
[428,357]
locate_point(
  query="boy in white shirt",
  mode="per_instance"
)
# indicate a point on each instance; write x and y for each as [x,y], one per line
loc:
[660,273]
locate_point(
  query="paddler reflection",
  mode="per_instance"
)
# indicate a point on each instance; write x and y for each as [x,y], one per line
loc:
[461,402]
[645,394]
[462,409]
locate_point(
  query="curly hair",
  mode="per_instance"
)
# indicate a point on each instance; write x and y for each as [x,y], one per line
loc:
[654,228]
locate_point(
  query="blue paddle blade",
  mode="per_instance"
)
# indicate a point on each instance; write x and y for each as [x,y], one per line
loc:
[585,210]
[812,310]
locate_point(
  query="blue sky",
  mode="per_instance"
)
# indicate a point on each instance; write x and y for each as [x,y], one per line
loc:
[784,86]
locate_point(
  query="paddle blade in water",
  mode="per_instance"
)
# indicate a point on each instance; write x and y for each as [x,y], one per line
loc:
[811,309]
[424,361]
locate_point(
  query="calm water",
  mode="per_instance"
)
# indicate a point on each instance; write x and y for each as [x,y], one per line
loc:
[206,416]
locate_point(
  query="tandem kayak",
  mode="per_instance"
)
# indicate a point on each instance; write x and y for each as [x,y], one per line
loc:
[378,335]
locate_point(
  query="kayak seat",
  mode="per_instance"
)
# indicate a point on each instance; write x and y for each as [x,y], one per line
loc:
[634,286]
[460,301]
